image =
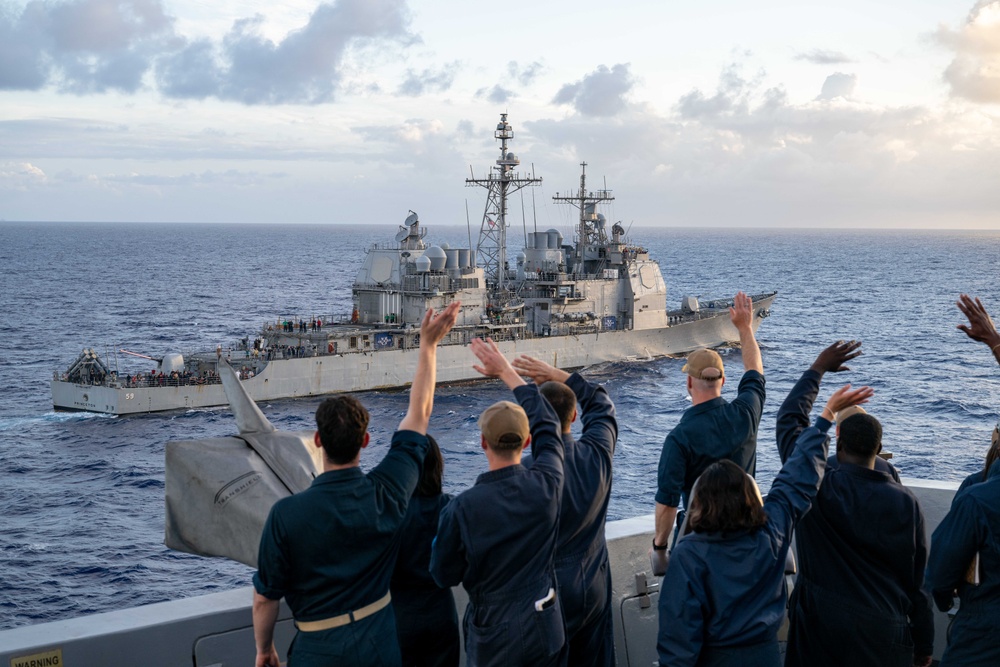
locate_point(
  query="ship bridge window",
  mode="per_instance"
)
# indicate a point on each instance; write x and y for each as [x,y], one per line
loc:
[368,342]
[354,342]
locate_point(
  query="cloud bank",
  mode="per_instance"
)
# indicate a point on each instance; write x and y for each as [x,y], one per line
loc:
[96,46]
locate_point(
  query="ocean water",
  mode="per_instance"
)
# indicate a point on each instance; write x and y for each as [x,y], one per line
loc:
[81,495]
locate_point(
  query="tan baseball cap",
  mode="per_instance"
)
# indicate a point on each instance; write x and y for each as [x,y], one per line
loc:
[704,364]
[842,416]
[504,418]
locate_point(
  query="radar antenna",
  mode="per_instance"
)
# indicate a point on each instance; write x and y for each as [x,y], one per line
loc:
[591,234]
[502,181]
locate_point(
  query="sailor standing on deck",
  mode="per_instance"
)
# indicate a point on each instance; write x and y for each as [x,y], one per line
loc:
[330,550]
[859,598]
[498,538]
[582,566]
[965,547]
[711,429]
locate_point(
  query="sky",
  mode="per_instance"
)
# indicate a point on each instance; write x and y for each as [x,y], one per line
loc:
[771,113]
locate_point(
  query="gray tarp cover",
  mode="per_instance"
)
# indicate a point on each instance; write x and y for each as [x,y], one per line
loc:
[219,491]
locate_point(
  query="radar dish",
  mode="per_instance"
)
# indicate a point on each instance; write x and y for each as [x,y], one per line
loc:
[402,234]
[411,219]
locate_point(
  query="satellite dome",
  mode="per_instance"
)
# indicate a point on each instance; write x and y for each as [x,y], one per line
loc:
[423,264]
[437,256]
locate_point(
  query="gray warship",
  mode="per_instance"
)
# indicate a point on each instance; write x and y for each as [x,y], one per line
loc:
[599,298]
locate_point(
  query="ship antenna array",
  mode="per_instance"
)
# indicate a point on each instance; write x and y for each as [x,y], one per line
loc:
[587,202]
[502,181]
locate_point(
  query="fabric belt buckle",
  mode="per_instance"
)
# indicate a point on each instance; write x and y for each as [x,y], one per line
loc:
[344,619]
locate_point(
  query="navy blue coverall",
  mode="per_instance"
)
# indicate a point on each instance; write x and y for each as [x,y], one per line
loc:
[426,618]
[971,527]
[498,539]
[582,567]
[862,552]
[709,432]
[723,596]
[330,550]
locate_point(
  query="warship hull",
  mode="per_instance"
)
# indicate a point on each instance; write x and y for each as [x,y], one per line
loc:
[394,368]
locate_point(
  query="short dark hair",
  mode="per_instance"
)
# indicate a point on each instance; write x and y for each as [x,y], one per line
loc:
[860,435]
[724,500]
[342,423]
[429,484]
[508,445]
[563,401]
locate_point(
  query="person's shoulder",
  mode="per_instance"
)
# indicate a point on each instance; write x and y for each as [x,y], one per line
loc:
[408,437]
[984,493]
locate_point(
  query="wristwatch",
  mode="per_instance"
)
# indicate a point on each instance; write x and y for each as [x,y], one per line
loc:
[657,547]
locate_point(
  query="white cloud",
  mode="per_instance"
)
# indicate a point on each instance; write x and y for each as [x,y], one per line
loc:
[974,73]
[824,57]
[20,176]
[837,85]
[603,92]
[429,80]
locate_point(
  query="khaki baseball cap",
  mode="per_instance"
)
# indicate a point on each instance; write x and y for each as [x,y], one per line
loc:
[704,364]
[842,416]
[504,418]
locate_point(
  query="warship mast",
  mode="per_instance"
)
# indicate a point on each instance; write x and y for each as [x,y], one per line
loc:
[591,236]
[491,249]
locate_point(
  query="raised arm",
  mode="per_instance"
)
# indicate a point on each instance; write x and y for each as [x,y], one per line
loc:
[433,329]
[493,364]
[798,480]
[597,412]
[980,326]
[539,371]
[741,315]
[793,415]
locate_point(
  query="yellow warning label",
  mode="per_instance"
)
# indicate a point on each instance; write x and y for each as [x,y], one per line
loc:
[51,658]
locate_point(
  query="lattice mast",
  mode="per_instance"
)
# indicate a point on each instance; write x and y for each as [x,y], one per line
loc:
[591,234]
[491,249]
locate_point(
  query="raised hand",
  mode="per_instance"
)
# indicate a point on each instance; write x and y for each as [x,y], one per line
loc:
[492,363]
[845,397]
[980,326]
[741,314]
[435,327]
[832,359]
[538,370]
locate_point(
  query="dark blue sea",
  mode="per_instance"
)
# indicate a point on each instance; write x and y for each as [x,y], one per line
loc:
[81,495]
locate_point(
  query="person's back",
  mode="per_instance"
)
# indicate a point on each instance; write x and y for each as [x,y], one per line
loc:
[970,535]
[426,616]
[971,530]
[861,546]
[498,538]
[330,550]
[581,559]
[858,596]
[712,429]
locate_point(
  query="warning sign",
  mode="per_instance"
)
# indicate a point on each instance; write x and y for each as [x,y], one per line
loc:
[51,658]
